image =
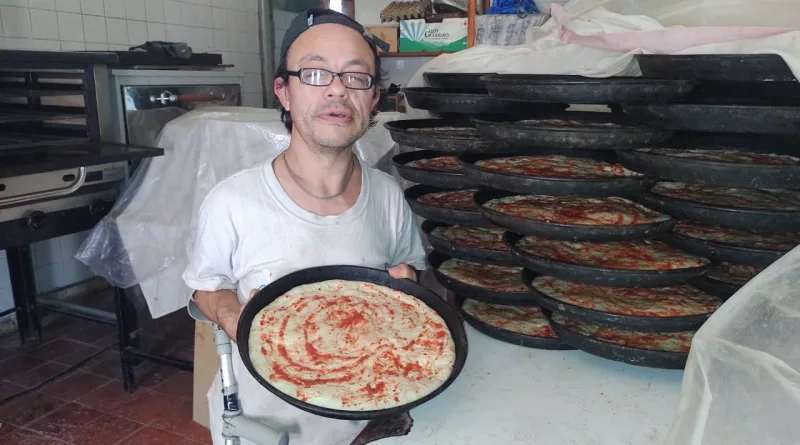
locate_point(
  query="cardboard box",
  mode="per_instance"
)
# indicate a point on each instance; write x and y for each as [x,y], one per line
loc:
[418,36]
[389,34]
[206,364]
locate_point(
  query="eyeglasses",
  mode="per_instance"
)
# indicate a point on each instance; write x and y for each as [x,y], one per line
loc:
[319,77]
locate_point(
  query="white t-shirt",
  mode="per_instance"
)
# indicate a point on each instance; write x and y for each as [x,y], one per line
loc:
[251,233]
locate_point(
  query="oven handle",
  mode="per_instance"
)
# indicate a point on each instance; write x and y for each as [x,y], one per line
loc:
[78,183]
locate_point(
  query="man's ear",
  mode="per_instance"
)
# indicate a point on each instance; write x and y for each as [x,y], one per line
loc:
[281,88]
[376,96]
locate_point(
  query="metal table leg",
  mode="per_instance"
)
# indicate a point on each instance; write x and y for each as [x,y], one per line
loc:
[23,286]
[128,331]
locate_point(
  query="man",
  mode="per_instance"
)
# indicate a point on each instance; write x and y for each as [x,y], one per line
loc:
[312,205]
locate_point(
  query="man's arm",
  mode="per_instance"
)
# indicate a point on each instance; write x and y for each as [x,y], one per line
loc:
[221,307]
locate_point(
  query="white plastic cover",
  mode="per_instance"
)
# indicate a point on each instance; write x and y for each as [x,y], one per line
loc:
[742,381]
[145,239]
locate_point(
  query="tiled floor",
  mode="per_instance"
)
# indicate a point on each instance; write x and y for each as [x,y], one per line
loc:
[89,406]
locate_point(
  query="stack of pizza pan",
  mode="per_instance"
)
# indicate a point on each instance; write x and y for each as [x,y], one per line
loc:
[591,253]
[734,180]
[466,251]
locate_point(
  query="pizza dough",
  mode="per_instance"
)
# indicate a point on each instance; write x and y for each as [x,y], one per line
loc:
[487,276]
[446,164]
[755,199]
[751,239]
[611,211]
[351,346]
[653,341]
[618,255]
[555,166]
[673,301]
[736,274]
[525,320]
[726,156]
[460,200]
[565,123]
[472,237]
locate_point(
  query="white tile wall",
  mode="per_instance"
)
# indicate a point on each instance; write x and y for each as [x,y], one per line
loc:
[228,27]
[281,20]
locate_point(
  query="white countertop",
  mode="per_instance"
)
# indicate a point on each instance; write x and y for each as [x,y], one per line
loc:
[509,394]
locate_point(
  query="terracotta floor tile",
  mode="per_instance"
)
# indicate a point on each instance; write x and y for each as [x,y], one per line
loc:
[150,376]
[39,374]
[105,430]
[28,408]
[179,421]
[96,332]
[108,366]
[66,422]
[148,407]
[5,430]
[56,349]
[8,353]
[181,385]
[152,436]
[76,385]
[57,326]
[78,355]
[18,364]
[8,389]
[109,397]
[24,437]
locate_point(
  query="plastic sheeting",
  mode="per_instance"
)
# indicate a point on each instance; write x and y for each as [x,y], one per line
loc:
[146,238]
[742,380]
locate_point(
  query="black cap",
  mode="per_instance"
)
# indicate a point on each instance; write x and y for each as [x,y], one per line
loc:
[319,16]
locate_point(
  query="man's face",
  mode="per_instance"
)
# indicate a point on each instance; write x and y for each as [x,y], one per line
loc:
[330,117]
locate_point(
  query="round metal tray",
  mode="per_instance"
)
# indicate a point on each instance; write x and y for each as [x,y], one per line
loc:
[404,133]
[439,214]
[429,177]
[467,253]
[468,102]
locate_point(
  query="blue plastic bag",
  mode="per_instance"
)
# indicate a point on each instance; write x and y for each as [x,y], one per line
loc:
[520,7]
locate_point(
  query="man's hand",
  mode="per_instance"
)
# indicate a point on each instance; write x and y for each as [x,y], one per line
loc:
[403,271]
[221,307]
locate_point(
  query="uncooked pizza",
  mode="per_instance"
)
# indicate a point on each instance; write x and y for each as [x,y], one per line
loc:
[486,276]
[446,164]
[472,237]
[616,255]
[612,211]
[771,200]
[557,167]
[726,156]
[569,123]
[460,200]
[459,132]
[525,320]
[653,341]
[753,239]
[673,301]
[737,274]
[351,346]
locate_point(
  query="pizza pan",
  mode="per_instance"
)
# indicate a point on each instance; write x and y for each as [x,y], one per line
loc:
[406,132]
[469,102]
[435,259]
[616,321]
[724,174]
[567,232]
[507,336]
[540,185]
[428,177]
[723,253]
[438,214]
[601,276]
[736,218]
[467,253]
[715,287]
[716,67]
[619,353]
[759,143]
[279,287]
[718,118]
[625,134]
[746,93]
[586,90]
[458,81]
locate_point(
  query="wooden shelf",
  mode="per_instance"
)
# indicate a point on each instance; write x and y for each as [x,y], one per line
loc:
[418,54]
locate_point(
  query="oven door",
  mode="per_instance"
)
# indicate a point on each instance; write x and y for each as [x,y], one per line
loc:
[147,109]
